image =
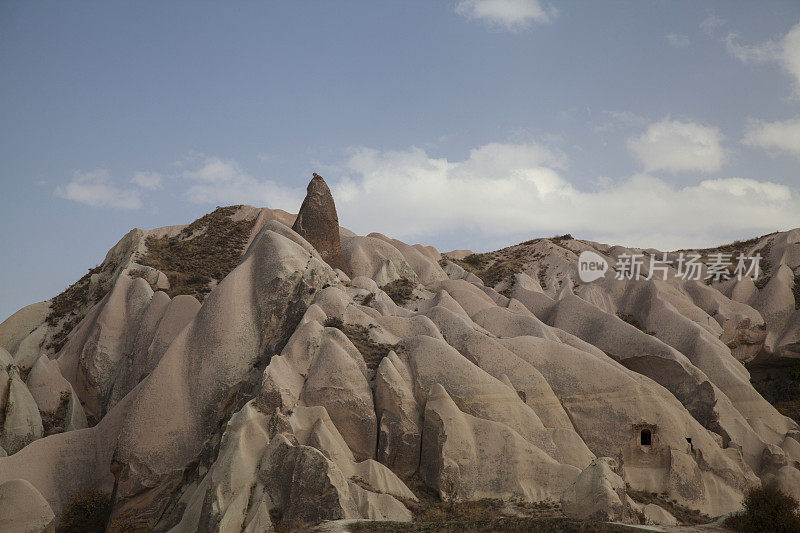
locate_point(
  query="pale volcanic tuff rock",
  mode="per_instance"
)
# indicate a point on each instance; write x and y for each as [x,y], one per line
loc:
[376,259]
[58,404]
[23,509]
[467,458]
[299,391]
[598,493]
[44,327]
[400,429]
[212,362]
[21,422]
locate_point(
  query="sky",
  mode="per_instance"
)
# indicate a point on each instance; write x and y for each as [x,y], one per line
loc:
[461,124]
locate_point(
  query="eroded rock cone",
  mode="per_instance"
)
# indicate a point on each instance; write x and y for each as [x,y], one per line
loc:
[318,223]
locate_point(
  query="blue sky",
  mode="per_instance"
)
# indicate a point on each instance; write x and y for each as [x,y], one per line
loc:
[462,124]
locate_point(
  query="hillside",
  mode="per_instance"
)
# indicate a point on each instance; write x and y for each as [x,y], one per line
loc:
[262,371]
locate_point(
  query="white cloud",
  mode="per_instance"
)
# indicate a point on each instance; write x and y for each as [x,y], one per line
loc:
[748,188]
[148,180]
[677,40]
[96,189]
[711,23]
[784,51]
[503,191]
[676,146]
[217,181]
[782,135]
[753,53]
[511,15]
[411,196]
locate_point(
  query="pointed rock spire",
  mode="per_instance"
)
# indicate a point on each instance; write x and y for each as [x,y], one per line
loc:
[318,223]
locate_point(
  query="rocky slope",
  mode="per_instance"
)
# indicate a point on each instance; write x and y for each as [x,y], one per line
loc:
[239,375]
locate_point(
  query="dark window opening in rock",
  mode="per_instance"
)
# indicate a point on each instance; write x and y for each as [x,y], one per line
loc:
[647,437]
[689,441]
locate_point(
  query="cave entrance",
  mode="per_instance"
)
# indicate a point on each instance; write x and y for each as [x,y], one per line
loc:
[646,437]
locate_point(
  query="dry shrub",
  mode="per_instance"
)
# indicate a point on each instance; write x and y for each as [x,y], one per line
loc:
[372,352]
[86,512]
[492,268]
[399,290]
[766,508]
[70,307]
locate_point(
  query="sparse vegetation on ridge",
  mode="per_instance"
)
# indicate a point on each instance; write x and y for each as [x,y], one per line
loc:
[492,267]
[76,294]
[559,241]
[372,352]
[500,265]
[734,247]
[501,270]
[70,307]
[542,275]
[206,250]
[766,267]
[399,290]
[740,247]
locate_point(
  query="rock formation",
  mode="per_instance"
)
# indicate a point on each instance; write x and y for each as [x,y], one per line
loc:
[22,508]
[295,394]
[318,223]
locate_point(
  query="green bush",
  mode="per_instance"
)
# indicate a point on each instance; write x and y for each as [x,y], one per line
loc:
[767,508]
[86,512]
